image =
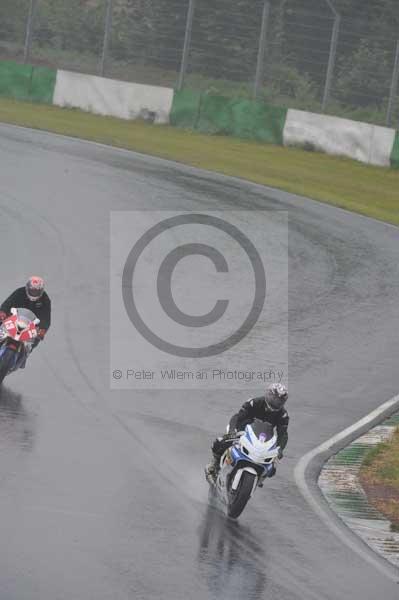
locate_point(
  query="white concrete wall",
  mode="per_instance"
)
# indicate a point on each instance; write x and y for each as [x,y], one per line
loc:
[333,135]
[113,98]
[381,144]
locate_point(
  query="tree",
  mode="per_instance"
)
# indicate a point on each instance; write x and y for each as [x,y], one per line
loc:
[364,77]
[73,25]
[13,19]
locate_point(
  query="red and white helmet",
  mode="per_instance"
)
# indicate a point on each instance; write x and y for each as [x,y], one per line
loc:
[34,288]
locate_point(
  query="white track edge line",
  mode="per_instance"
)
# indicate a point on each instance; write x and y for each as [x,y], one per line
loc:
[342,535]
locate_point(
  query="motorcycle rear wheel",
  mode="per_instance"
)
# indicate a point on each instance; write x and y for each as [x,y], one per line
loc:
[240,497]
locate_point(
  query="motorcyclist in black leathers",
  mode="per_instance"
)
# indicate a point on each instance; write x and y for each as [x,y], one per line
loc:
[268,408]
[33,297]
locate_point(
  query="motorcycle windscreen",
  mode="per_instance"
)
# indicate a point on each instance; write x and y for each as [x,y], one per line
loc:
[262,430]
[25,316]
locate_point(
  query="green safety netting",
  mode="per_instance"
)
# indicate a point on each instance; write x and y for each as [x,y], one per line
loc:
[24,82]
[395,152]
[218,115]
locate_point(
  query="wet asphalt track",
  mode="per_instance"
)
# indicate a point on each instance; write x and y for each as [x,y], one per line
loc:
[86,510]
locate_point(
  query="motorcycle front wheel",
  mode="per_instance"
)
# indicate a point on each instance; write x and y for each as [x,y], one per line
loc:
[6,362]
[239,498]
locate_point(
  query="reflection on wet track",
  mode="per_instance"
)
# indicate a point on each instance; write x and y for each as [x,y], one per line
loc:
[232,562]
[17,424]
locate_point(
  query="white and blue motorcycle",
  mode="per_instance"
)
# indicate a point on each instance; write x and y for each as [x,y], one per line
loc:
[244,466]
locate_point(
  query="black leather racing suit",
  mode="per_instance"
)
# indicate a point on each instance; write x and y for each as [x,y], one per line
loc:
[255,408]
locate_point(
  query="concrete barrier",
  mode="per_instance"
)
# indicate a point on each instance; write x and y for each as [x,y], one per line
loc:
[342,137]
[109,97]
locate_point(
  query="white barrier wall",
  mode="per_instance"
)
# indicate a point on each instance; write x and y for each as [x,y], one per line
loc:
[333,135]
[113,98]
[382,141]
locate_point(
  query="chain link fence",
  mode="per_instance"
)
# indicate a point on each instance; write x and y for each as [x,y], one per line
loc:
[279,51]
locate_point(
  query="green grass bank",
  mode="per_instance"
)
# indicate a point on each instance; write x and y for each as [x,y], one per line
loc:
[380,478]
[368,190]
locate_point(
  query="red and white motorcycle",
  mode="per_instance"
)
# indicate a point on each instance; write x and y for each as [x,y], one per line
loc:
[18,334]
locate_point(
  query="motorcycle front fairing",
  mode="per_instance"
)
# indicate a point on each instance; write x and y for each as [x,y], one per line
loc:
[17,357]
[233,463]
[17,335]
[241,463]
[18,350]
[255,451]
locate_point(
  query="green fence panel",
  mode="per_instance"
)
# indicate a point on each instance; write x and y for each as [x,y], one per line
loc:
[43,84]
[15,80]
[395,152]
[24,82]
[258,121]
[242,118]
[185,109]
[215,116]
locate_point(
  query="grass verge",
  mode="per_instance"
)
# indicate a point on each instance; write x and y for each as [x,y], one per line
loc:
[379,477]
[368,190]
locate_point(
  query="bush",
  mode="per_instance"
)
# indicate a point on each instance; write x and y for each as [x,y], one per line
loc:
[285,85]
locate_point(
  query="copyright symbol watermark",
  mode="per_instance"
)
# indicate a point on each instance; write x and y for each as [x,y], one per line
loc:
[164,285]
[188,295]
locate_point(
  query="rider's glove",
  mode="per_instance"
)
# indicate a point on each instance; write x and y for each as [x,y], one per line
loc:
[3,316]
[280,454]
[39,338]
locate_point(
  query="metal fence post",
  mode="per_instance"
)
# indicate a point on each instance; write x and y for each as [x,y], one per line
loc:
[29,30]
[107,35]
[331,60]
[187,44]
[394,87]
[262,47]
